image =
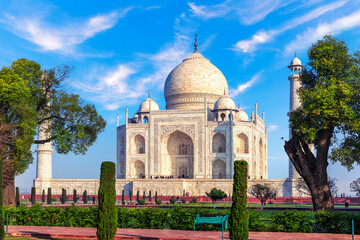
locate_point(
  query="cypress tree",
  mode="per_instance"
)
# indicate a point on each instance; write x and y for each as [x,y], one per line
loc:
[149,196]
[155,196]
[63,196]
[43,196]
[49,199]
[123,197]
[137,196]
[107,221]
[239,217]
[85,200]
[17,196]
[130,196]
[75,197]
[144,195]
[2,231]
[33,195]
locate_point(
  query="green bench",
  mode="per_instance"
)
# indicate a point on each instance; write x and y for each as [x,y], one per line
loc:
[214,219]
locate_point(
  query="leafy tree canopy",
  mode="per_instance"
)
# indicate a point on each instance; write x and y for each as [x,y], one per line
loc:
[216,195]
[262,192]
[355,186]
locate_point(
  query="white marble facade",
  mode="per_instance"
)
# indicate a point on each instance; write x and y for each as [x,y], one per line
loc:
[188,147]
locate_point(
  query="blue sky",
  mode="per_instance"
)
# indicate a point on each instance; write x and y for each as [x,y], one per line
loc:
[121,50]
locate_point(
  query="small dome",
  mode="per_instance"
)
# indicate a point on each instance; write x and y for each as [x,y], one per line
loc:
[241,116]
[295,62]
[224,102]
[145,106]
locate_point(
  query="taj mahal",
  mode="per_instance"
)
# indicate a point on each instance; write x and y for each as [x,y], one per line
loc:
[189,147]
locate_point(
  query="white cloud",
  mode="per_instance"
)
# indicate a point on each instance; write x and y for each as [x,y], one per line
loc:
[272,127]
[248,12]
[60,38]
[262,36]
[243,87]
[308,37]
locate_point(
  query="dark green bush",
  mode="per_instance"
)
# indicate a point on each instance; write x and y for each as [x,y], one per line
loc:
[17,196]
[172,200]
[33,196]
[75,197]
[194,200]
[239,216]
[107,218]
[141,202]
[63,196]
[137,196]
[54,199]
[43,196]
[158,201]
[183,200]
[123,197]
[292,221]
[48,199]
[85,197]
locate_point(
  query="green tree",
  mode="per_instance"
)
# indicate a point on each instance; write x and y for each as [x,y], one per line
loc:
[329,115]
[75,197]
[49,198]
[85,198]
[216,195]
[17,196]
[355,186]
[31,96]
[239,216]
[263,192]
[107,222]
[63,196]
[42,196]
[33,195]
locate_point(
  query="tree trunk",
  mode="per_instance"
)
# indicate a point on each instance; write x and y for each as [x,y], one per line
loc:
[9,191]
[313,170]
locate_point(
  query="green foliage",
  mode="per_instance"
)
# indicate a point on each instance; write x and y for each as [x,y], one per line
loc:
[239,216]
[137,196]
[330,99]
[107,221]
[54,199]
[85,197]
[158,201]
[183,219]
[194,200]
[263,192]
[155,196]
[33,195]
[130,196]
[216,195]
[183,200]
[355,186]
[17,197]
[43,196]
[63,196]
[123,196]
[141,201]
[149,196]
[48,200]
[172,200]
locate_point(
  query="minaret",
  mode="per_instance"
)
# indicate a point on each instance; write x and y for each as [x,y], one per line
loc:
[295,83]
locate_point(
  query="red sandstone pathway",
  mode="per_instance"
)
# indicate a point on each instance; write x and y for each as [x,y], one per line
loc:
[159,234]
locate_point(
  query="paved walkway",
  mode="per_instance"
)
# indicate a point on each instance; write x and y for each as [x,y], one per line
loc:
[159,234]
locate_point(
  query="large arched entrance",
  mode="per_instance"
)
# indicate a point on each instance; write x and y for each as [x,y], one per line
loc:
[139,167]
[177,155]
[219,169]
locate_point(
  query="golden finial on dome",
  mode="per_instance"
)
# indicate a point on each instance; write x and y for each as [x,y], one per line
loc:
[195,44]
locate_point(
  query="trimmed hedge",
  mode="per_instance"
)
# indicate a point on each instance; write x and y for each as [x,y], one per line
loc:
[183,218]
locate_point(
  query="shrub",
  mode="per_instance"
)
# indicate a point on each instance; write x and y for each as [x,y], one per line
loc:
[123,202]
[172,200]
[216,194]
[75,197]
[149,196]
[17,196]
[33,196]
[54,199]
[48,200]
[130,196]
[137,196]
[141,202]
[107,221]
[155,195]
[194,200]
[292,221]
[239,217]
[183,200]
[158,201]
[123,197]
[43,196]
[85,198]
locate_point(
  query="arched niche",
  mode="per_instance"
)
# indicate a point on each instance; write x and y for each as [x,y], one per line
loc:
[145,119]
[219,169]
[122,169]
[122,145]
[138,146]
[223,117]
[261,158]
[242,143]
[139,168]
[219,143]
[177,155]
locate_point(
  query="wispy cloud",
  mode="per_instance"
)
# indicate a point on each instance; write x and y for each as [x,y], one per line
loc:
[60,38]
[248,12]
[272,127]
[308,37]
[243,87]
[262,36]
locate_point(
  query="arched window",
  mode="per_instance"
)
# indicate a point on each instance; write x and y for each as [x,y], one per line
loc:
[219,169]
[243,144]
[223,116]
[219,143]
[139,147]
[145,119]
[122,145]
[139,169]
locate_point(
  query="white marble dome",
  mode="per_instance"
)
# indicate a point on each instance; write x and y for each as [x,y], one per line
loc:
[241,116]
[193,80]
[224,102]
[295,61]
[145,106]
